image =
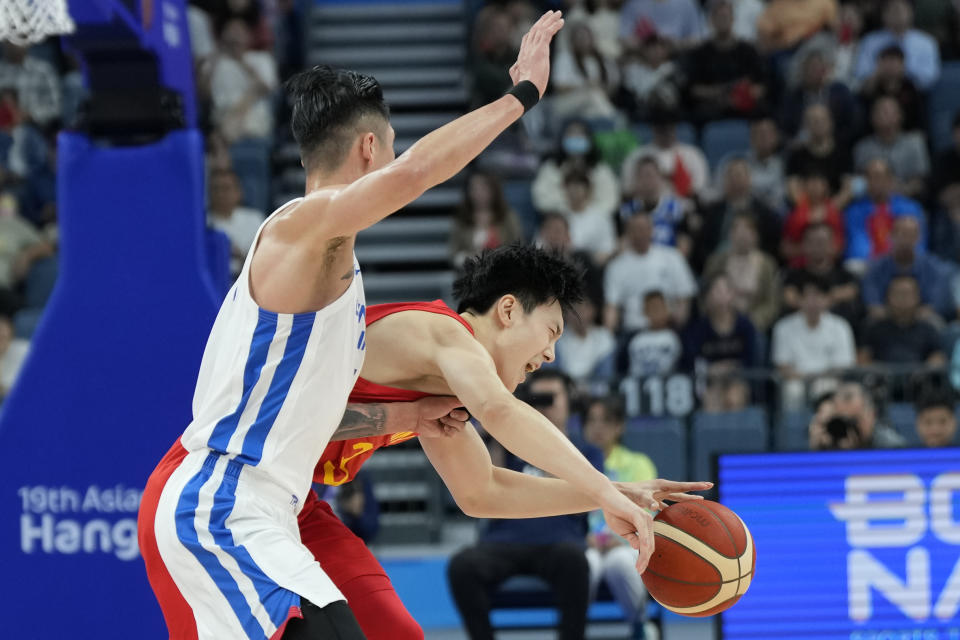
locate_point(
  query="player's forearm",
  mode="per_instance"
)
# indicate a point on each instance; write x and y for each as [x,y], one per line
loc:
[528,435]
[510,494]
[375,419]
[445,152]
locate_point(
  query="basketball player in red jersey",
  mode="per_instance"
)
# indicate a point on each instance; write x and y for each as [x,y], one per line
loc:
[510,317]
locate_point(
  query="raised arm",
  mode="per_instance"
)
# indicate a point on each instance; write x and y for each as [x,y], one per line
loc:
[435,158]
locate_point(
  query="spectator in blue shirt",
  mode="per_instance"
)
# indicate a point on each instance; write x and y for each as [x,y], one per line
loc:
[553,549]
[869,219]
[921,52]
[933,275]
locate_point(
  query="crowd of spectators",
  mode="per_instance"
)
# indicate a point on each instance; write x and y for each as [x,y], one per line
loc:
[823,238]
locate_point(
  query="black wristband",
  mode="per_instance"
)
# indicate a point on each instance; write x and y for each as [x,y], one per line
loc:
[527,93]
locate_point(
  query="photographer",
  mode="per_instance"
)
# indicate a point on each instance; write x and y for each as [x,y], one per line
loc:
[848,420]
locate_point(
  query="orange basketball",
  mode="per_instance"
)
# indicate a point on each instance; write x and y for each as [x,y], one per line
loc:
[703,558]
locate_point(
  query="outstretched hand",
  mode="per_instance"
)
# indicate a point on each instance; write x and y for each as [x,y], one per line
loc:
[533,61]
[440,416]
[651,494]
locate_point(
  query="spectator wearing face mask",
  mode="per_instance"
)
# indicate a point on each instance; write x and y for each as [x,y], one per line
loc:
[575,151]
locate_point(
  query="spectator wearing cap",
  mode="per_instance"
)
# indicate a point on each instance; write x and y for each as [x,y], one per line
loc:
[575,151]
[725,74]
[936,421]
[679,21]
[906,152]
[933,276]
[673,217]
[814,85]
[683,164]
[902,336]
[811,341]
[718,217]
[890,80]
[869,219]
[751,272]
[920,50]
[820,152]
[645,266]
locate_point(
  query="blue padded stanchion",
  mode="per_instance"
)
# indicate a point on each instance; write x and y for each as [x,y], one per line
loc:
[106,389]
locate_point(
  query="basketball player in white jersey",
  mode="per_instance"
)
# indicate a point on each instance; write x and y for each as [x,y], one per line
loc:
[283,355]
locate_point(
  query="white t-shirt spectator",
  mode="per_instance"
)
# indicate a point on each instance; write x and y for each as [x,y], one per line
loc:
[813,350]
[578,356]
[241,227]
[592,230]
[548,194]
[230,82]
[199,26]
[654,353]
[631,275]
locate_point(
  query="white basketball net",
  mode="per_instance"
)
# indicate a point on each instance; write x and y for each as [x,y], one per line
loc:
[25,22]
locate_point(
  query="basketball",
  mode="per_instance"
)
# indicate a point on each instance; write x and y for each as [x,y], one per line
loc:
[703,560]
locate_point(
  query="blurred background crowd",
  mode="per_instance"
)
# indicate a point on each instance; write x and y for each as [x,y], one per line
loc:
[764,196]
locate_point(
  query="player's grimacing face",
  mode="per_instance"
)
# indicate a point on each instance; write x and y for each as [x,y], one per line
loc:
[527,342]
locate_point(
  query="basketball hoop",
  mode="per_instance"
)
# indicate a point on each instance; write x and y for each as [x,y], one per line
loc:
[26,22]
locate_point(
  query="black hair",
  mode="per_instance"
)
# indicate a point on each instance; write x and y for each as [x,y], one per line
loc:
[653,293]
[533,275]
[936,398]
[328,105]
[553,215]
[956,120]
[551,373]
[826,396]
[892,50]
[817,282]
[614,407]
[816,226]
[902,276]
[576,177]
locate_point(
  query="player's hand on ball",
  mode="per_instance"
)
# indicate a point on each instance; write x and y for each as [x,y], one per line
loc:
[653,493]
[533,61]
[440,416]
[633,524]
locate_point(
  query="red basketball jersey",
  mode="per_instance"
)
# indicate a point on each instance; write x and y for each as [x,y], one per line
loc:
[341,460]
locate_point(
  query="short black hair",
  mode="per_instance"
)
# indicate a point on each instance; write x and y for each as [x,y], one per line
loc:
[814,281]
[614,407]
[654,293]
[327,105]
[535,276]
[902,276]
[936,398]
[891,51]
[550,216]
[817,226]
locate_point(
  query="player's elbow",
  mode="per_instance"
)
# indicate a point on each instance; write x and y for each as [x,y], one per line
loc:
[496,413]
[415,173]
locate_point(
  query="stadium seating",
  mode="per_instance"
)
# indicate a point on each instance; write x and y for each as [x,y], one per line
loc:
[664,440]
[792,430]
[686,132]
[724,137]
[730,432]
[902,416]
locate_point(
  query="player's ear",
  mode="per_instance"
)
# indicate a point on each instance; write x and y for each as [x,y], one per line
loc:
[507,308]
[368,148]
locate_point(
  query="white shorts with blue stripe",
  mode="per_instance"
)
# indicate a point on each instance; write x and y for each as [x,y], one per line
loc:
[229,538]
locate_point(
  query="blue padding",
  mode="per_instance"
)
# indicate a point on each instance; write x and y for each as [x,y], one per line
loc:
[106,389]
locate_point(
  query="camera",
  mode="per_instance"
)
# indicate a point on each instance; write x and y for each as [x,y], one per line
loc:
[840,428]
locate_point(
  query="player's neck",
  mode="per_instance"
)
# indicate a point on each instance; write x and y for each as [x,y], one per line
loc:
[317,180]
[482,329]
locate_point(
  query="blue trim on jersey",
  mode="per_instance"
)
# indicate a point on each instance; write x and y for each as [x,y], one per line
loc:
[185,521]
[259,346]
[275,600]
[286,371]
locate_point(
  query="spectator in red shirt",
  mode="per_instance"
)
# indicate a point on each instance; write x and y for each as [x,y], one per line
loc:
[814,206]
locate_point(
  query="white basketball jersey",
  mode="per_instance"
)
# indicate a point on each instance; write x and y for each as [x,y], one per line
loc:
[272,386]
